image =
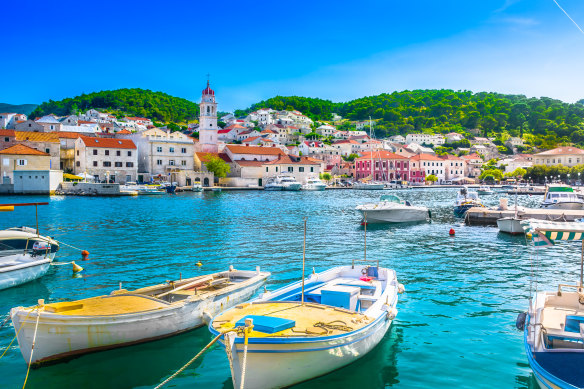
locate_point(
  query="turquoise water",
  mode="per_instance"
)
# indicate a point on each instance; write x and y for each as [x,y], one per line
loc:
[456,321]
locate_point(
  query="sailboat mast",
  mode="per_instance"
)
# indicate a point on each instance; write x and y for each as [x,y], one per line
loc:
[303,261]
[371,138]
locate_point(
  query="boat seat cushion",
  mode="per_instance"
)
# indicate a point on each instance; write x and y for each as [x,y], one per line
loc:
[267,324]
[573,323]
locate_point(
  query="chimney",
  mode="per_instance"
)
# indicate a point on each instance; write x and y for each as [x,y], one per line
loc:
[247,145]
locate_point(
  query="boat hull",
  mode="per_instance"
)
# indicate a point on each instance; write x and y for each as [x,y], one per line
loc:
[62,337]
[292,187]
[301,361]
[369,186]
[407,214]
[24,272]
[562,205]
[314,187]
[510,225]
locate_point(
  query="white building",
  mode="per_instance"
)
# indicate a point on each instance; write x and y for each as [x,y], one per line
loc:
[429,139]
[431,165]
[326,130]
[567,156]
[115,160]
[9,119]
[301,168]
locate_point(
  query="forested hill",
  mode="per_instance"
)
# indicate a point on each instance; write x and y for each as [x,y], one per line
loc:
[132,102]
[18,108]
[443,111]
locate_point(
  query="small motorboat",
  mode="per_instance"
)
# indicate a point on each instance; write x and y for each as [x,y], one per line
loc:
[169,187]
[314,184]
[561,197]
[370,185]
[553,326]
[197,187]
[392,209]
[310,327]
[282,182]
[123,318]
[485,190]
[511,225]
[25,255]
[466,200]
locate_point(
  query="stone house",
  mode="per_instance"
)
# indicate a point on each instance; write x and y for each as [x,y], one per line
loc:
[106,159]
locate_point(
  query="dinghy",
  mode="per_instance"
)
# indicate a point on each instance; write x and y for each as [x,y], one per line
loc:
[553,327]
[310,328]
[67,329]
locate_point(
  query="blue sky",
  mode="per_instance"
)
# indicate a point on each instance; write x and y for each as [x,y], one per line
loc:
[255,50]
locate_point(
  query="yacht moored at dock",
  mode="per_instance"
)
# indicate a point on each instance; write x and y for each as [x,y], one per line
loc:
[314,184]
[392,209]
[466,200]
[282,182]
[561,197]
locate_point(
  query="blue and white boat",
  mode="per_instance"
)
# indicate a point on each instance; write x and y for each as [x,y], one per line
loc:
[553,326]
[466,200]
[308,329]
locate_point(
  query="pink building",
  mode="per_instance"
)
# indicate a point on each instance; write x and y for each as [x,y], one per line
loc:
[387,166]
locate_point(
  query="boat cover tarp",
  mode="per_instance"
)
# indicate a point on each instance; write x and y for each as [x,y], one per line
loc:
[544,233]
[267,324]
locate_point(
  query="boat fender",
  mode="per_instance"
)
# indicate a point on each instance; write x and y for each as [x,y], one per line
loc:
[206,317]
[581,298]
[520,322]
[231,268]
[199,264]
[430,214]
[401,288]
[391,312]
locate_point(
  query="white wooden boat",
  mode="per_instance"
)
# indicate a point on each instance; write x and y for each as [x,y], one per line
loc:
[553,327]
[346,312]
[485,190]
[369,185]
[466,200]
[123,318]
[197,187]
[510,225]
[392,209]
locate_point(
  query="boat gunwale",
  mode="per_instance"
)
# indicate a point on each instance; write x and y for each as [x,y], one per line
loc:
[47,316]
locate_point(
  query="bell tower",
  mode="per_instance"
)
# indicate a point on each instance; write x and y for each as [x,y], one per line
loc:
[208,121]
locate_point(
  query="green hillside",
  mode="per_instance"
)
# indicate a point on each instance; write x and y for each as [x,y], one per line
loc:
[18,108]
[550,121]
[157,106]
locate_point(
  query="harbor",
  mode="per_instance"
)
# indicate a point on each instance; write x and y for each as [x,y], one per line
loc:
[457,314]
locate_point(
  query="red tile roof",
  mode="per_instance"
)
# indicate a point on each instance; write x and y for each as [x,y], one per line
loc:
[250,139]
[450,157]
[259,150]
[7,133]
[204,157]
[22,150]
[124,132]
[562,151]
[291,159]
[425,157]
[243,162]
[68,135]
[108,143]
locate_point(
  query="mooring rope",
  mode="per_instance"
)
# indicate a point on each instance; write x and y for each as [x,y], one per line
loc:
[17,332]
[32,347]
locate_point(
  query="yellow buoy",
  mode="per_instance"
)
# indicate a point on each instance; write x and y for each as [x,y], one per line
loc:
[199,263]
[7,208]
[76,267]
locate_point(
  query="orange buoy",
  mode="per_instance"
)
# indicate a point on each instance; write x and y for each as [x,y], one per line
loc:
[451,232]
[85,255]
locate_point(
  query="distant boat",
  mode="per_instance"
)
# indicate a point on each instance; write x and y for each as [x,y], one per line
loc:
[314,184]
[511,225]
[369,185]
[197,187]
[485,190]
[282,182]
[561,197]
[123,318]
[346,312]
[392,209]
[466,200]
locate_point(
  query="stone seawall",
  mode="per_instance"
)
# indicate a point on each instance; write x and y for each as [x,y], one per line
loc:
[88,189]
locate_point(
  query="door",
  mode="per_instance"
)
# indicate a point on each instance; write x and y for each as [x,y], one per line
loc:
[259,182]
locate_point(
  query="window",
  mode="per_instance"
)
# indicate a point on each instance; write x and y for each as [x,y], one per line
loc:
[301,169]
[128,178]
[21,162]
[171,149]
[171,162]
[276,169]
[129,164]
[311,169]
[159,149]
[118,153]
[183,162]
[94,151]
[79,163]
[107,164]
[119,164]
[266,169]
[94,163]
[129,153]
[77,152]
[159,162]
[6,139]
[183,150]
[107,152]
[290,169]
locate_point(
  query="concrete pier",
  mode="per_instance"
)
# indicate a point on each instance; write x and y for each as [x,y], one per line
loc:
[488,217]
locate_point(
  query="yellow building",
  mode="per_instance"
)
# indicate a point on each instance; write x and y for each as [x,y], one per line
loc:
[567,156]
[27,170]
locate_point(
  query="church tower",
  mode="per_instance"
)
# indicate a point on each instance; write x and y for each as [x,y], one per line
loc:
[208,121]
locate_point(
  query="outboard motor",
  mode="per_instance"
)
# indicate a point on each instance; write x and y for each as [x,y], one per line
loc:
[520,322]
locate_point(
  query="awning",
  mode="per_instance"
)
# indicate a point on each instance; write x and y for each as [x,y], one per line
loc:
[544,233]
[71,176]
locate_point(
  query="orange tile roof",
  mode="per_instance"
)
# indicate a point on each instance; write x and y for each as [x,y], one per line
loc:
[472,156]
[36,136]
[238,149]
[7,133]
[68,135]
[425,157]
[110,143]
[124,131]
[450,157]
[382,154]
[22,150]
[250,139]
[562,151]
[288,160]
[243,162]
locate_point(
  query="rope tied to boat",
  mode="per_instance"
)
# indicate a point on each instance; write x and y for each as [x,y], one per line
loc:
[17,332]
[329,327]
[36,327]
